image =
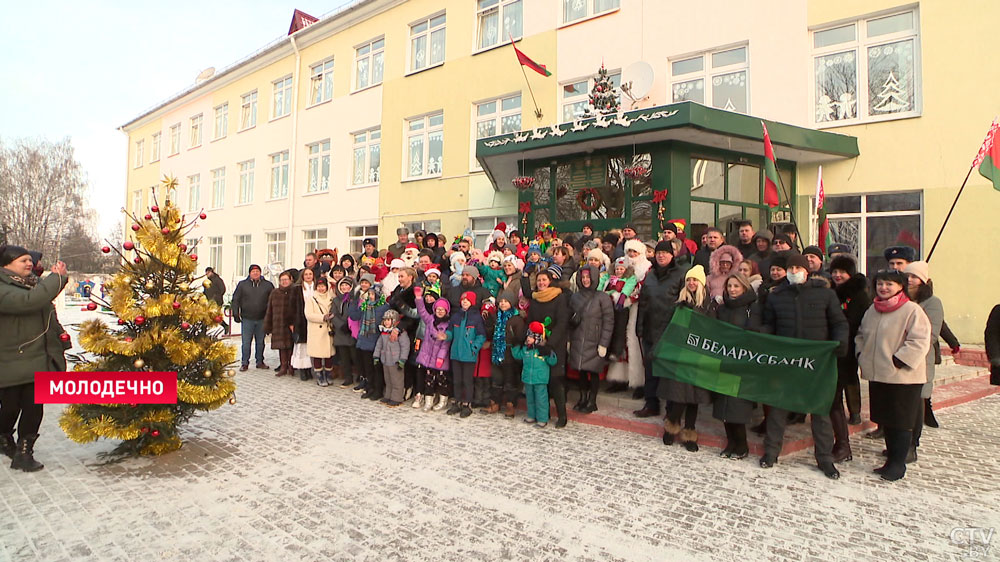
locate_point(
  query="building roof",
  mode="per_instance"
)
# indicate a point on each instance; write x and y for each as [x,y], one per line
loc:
[690,122]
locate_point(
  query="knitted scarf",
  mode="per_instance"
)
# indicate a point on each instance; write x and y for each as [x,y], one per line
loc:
[500,335]
[890,304]
[545,295]
[369,324]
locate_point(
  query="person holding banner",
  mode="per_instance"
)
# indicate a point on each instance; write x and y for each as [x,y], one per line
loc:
[892,346]
[806,309]
[31,341]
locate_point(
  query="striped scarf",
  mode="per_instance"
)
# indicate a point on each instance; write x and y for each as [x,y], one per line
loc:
[369,324]
[500,336]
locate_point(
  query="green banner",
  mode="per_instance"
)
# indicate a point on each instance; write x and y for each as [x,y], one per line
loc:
[793,374]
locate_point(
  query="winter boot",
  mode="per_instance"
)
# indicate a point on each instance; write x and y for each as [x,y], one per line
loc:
[929,419]
[429,402]
[591,405]
[689,438]
[418,400]
[305,374]
[740,449]
[897,441]
[582,402]
[442,403]
[727,452]
[327,376]
[670,431]
[879,433]
[508,410]
[7,445]
[491,409]
[842,443]
[24,458]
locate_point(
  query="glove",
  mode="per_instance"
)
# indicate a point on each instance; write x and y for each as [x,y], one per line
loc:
[400,363]
[956,350]
[418,291]
[898,364]
[439,363]
[237,319]
[602,351]
[377,361]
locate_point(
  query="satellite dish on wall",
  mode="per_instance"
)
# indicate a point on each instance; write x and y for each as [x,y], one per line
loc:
[205,75]
[637,80]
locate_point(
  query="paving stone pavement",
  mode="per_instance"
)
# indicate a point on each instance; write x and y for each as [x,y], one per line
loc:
[298,472]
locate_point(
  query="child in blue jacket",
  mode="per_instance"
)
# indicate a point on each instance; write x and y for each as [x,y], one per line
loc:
[467,334]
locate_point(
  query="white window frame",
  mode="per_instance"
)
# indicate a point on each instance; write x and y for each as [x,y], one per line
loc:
[136,202]
[192,244]
[218,188]
[426,35]
[480,235]
[215,253]
[140,153]
[277,247]
[373,49]
[279,176]
[500,7]
[861,43]
[568,101]
[354,240]
[194,192]
[195,131]
[321,82]
[425,132]
[248,110]
[497,117]
[175,139]
[863,216]
[244,195]
[318,158]
[372,142]
[281,97]
[709,73]
[424,225]
[244,252]
[315,239]
[154,147]
[221,122]
[591,12]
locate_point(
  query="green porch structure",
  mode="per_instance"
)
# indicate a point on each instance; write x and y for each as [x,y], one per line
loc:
[607,170]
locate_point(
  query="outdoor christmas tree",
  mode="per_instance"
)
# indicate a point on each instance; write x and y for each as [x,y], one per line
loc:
[165,325]
[603,98]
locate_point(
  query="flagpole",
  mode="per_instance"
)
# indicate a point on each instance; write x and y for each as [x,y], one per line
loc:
[819,181]
[948,216]
[538,112]
[791,212]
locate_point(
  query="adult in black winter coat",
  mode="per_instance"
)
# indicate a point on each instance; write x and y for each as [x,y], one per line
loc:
[549,304]
[739,307]
[805,309]
[403,301]
[657,300]
[217,290]
[343,342]
[852,292]
[249,307]
[992,336]
[470,282]
[592,325]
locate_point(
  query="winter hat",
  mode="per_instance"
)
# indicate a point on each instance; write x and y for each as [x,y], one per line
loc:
[368,242]
[471,270]
[367,277]
[500,230]
[725,256]
[397,264]
[611,238]
[469,296]
[590,245]
[764,234]
[814,250]
[456,258]
[636,246]
[556,271]
[900,253]
[781,238]
[664,246]
[534,248]
[780,260]
[536,329]
[391,315]
[443,303]
[432,270]
[252,266]
[797,260]
[920,269]
[671,227]
[650,244]
[322,281]
[10,252]
[522,302]
[623,262]
[346,281]
[892,275]
[838,249]
[844,263]
[518,264]
[495,256]
[598,254]
[412,246]
[696,272]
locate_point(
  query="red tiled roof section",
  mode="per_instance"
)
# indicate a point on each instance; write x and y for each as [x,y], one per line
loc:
[300,20]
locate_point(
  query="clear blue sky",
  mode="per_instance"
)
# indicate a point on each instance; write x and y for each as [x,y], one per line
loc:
[81,69]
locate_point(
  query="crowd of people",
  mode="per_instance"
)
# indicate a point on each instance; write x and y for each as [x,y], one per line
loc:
[456,328]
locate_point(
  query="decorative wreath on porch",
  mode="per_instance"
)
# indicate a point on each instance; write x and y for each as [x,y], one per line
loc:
[589,199]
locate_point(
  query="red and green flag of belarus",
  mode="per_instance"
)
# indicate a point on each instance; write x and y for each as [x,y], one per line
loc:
[823,223]
[988,158]
[525,60]
[770,172]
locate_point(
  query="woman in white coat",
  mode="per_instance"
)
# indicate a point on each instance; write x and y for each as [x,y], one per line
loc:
[319,344]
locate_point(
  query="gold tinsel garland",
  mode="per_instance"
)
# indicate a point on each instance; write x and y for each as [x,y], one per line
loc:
[194,394]
[96,338]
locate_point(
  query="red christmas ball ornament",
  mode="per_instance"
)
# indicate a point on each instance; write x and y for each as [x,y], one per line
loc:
[183,247]
[155,433]
[144,430]
[106,250]
[194,257]
[140,320]
[128,246]
[137,259]
[64,337]
[218,319]
[176,305]
[121,322]
[165,230]
[91,306]
[128,339]
[135,228]
[148,216]
[185,326]
[203,216]
[155,209]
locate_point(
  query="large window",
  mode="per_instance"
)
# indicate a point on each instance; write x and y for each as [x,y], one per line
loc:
[497,21]
[482,227]
[319,167]
[279,175]
[215,254]
[367,156]
[246,182]
[871,223]
[576,95]
[573,10]
[724,192]
[282,97]
[248,110]
[867,70]
[175,139]
[427,226]
[425,145]
[315,239]
[276,244]
[218,188]
[357,234]
[154,148]
[194,192]
[496,117]
[196,131]
[321,82]
[221,121]
[139,156]
[716,78]
[137,202]
[427,43]
[244,254]
[368,64]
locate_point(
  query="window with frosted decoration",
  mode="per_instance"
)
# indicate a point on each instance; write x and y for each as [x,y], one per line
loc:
[368,64]
[497,21]
[425,146]
[717,78]
[367,157]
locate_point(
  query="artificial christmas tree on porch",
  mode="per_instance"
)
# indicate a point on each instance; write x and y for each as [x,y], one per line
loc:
[603,98]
